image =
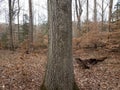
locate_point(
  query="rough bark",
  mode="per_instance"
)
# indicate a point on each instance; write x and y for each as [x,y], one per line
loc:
[59,71]
[110,13]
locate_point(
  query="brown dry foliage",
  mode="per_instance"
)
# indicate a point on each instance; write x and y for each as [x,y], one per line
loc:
[20,71]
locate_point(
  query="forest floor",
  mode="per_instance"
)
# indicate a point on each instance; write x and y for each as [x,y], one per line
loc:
[21,71]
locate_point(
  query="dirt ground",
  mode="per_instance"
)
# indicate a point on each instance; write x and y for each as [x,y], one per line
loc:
[21,71]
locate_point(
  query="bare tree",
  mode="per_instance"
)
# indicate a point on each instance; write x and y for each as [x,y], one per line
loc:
[103,6]
[102,13]
[18,20]
[10,25]
[78,13]
[59,72]
[14,9]
[87,15]
[95,11]
[30,36]
[110,13]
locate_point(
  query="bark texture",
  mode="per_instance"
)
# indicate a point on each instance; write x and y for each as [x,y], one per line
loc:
[59,72]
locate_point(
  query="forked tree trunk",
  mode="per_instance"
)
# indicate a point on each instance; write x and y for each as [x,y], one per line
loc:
[59,72]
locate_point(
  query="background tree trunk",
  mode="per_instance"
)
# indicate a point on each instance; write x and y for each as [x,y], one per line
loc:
[110,13]
[10,25]
[18,21]
[78,13]
[102,14]
[30,36]
[87,15]
[95,11]
[59,74]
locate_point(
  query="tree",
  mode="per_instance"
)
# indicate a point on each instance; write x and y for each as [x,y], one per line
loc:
[103,8]
[30,36]
[102,13]
[25,28]
[95,11]
[87,15]
[110,13]
[117,11]
[10,25]
[18,20]
[78,13]
[0,5]
[59,73]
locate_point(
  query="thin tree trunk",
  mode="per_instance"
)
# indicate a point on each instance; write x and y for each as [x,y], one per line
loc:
[102,13]
[78,13]
[87,14]
[18,21]
[30,36]
[59,72]
[95,11]
[10,26]
[110,13]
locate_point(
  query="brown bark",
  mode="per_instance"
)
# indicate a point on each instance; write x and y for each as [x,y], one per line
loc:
[59,72]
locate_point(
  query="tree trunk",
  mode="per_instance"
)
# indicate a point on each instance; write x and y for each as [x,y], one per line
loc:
[102,14]
[10,25]
[78,13]
[30,36]
[110,13]
[87,15]
[95,11]
[59,72]
[18,21]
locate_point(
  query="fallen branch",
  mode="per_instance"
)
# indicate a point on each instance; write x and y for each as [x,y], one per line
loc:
[86,63]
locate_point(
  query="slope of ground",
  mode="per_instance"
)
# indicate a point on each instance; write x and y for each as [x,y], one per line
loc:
[21,71]
[104,75]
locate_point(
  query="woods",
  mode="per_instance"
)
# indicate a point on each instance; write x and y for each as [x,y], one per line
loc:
[59,45]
